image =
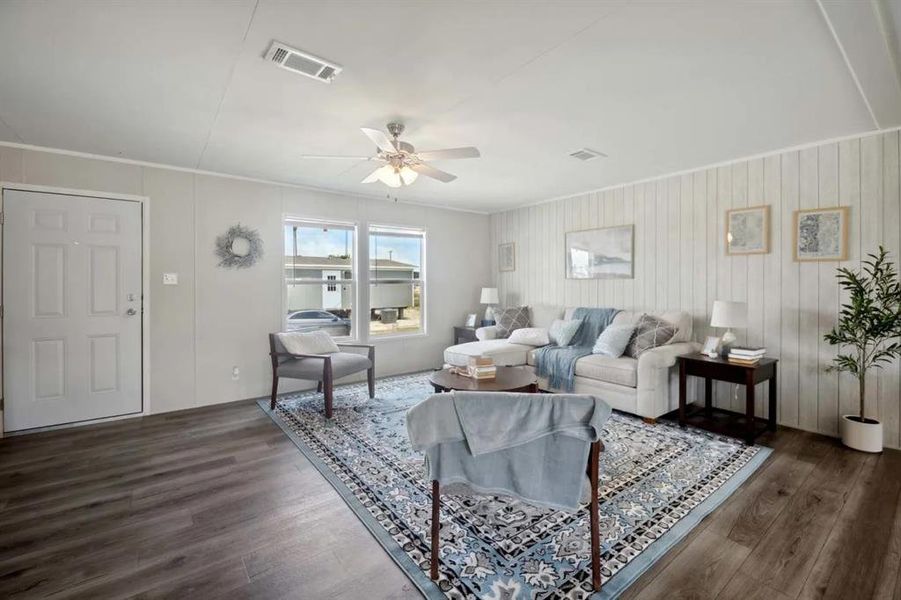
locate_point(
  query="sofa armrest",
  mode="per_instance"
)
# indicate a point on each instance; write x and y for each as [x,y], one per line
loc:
[486,333]
[663,357]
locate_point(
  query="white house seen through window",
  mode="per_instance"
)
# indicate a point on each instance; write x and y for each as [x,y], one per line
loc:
[319,277]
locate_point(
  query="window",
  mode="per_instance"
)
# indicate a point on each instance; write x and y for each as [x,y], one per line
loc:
[396,281]
[319,277]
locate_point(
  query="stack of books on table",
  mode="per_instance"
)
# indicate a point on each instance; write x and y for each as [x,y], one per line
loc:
[482,368]
[746,356]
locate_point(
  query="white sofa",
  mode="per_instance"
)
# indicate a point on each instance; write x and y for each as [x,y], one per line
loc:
[647,386]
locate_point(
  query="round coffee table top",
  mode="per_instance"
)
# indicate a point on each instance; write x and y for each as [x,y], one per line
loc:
[509,379]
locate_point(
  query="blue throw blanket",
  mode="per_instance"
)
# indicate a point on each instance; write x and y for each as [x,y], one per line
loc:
[558,363]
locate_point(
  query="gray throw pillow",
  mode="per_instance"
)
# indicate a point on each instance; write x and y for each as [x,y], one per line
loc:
[510,319]
[650,332]
[562,332]
[613,340]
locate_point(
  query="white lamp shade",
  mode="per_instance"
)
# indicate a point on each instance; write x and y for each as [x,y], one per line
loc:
[729,314]
[489,296]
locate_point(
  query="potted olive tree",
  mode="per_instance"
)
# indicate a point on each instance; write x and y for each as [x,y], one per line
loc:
[867,333]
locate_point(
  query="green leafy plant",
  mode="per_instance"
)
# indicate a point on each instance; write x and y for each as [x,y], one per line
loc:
[869,325]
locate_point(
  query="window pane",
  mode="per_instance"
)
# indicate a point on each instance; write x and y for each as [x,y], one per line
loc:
[395,273]
[318,252]
[318,277]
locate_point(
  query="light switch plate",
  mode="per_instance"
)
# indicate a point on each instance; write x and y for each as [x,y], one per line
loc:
[170,278]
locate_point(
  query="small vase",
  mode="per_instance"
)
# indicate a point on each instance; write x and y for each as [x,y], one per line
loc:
[865,436]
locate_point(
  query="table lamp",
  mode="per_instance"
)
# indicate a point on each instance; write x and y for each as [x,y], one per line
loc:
[729,314]
[490,298]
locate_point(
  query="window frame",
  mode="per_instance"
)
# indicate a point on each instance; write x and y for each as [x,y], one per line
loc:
[421,232]
[354,282]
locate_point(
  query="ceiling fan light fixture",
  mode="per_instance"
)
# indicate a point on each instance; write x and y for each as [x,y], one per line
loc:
[390,176]
[408,175]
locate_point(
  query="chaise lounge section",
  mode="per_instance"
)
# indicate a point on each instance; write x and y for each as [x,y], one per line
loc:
[647,386]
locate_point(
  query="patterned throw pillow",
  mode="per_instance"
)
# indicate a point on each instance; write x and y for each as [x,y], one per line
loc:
[562,332]
[509,319]
[650,332]
[613,340]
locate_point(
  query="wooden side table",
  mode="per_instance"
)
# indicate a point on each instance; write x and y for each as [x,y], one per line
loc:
[464,334]
[747,425]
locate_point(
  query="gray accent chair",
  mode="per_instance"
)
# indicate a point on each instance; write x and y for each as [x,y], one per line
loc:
[322,368]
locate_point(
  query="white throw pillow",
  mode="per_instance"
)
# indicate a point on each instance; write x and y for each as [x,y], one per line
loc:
[530,336]
[613,340]
[314,342]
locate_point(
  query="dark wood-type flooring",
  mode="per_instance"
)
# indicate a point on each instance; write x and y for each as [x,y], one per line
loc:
[218,503]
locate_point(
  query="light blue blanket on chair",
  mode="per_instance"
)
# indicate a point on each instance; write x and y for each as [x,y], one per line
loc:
[558,363]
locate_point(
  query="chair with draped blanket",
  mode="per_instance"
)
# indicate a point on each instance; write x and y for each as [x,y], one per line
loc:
[543,449]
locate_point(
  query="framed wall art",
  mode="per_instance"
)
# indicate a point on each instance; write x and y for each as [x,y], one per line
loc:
[748,230]
[506,257]
[821,234]
[605,253]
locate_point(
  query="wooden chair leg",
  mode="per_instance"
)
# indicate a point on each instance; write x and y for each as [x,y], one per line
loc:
[274,391]
[328,388]
[436,529]
[318,387]
[370,378]
[594,518]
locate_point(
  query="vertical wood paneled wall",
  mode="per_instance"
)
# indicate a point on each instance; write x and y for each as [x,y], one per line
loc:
[681,262]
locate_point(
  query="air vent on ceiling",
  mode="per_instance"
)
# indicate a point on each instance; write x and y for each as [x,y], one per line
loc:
[586,154]
[300,62]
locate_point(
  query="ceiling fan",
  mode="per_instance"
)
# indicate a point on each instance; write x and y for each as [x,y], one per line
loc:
[402,164]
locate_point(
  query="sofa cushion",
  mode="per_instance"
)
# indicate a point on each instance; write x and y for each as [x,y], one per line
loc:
[510,319]
[620,371]
[503,352]
[343,364]
[545,314]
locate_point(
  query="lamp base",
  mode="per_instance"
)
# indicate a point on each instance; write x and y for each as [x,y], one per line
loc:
[726,343]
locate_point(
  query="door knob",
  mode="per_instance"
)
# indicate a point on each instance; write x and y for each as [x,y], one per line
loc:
[131,312]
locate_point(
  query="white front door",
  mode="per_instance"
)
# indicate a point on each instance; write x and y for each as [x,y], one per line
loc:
[331,292]
[72,308]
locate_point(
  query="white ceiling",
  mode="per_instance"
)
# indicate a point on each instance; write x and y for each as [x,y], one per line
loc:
[658,86]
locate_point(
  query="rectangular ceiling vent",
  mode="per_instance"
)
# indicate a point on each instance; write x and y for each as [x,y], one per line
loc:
[587,154]
[296,61]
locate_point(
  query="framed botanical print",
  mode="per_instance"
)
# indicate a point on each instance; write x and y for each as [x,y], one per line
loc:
[605,253]
[821,234]
[748,230]
[506,257]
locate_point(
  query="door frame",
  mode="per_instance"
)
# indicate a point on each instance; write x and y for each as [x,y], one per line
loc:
[145,293]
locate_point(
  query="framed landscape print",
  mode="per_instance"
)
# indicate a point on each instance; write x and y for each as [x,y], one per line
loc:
[821,234]
[605,253]
[748,230]
[506,257]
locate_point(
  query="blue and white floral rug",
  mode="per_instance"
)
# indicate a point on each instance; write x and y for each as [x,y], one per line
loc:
[657,483]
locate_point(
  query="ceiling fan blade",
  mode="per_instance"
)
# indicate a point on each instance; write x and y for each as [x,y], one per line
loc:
[374,176]
[449,153]
[429,171]
[379,139]
[331,157]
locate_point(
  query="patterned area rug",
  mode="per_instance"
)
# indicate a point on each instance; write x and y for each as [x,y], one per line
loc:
[657,482]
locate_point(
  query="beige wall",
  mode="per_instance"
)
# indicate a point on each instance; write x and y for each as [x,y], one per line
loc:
[215,318]
[681,262]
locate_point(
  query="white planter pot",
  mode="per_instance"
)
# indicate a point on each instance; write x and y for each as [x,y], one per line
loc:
[866,437]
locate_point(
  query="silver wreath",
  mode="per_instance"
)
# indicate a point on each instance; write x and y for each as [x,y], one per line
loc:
[239,248]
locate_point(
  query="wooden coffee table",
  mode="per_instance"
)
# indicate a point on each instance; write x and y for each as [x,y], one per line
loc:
[509,379]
